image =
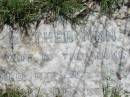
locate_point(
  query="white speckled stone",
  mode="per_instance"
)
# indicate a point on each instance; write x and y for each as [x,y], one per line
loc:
[73,60]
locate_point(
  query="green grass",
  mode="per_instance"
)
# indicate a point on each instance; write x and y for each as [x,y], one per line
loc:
[12,92]
[23,13]
[110,91]
[17,12]
[113,92]
[109,6]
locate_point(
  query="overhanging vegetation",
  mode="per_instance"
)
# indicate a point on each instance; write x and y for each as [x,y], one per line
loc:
[25,12]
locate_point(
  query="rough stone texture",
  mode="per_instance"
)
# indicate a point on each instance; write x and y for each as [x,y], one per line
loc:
[75,61]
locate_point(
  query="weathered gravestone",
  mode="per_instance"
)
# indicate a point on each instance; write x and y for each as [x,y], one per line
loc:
[75,61]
